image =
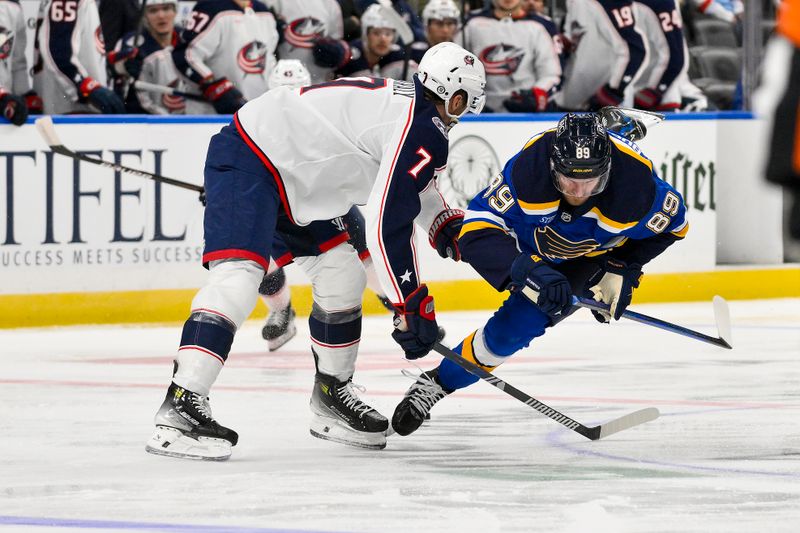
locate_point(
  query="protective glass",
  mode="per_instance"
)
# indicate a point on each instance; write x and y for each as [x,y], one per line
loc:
[581,187]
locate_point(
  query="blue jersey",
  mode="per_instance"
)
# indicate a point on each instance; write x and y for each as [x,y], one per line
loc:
[635,218]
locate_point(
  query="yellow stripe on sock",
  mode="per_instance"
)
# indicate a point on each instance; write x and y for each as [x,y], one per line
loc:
[468,353]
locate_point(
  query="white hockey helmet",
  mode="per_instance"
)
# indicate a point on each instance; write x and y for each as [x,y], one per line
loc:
[162,2]
[289,73]
[447,68]
[440,10]
[374,18]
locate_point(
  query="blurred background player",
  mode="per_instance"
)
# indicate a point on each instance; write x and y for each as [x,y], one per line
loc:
[151,60]
[304,23]
[522,65]
[70,66]
[577,211]
[404,8]
[609,54]
[659,86]
[441,19]
[227,50]
[16,98]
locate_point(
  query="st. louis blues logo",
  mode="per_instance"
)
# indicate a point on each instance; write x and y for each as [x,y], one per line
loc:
[252,58]
[99,43]
[501,59]
[302,32]
[6,42]
[174,104]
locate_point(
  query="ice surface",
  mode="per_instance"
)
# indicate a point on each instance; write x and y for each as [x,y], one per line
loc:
[76,407]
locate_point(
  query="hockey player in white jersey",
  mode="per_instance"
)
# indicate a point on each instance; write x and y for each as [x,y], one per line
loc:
[609,54]
[306,22]
[227,51]
[659,86]
[291,158]
[441,20]
[150,60]
[70,66]
[16,98]
[518,54]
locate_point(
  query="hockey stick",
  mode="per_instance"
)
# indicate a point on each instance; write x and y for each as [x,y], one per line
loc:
[163,89]
[721,315]
[48,132]
[592,433]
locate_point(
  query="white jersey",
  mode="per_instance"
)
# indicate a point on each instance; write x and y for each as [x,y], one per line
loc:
[517,54]
[70,49]
[13,65]
[305,21]
[159,69]
[610,49]
[223,40]
[364,141]
[667,55]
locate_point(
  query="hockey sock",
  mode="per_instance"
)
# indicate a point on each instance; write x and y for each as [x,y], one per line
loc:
[335,337]
[205,344]
[453,376]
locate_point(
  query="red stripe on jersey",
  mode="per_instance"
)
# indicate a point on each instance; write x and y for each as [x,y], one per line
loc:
[267,163]
[383,202]
[334,242]
[236,254]
[364,255]
[285,259]
[704,6]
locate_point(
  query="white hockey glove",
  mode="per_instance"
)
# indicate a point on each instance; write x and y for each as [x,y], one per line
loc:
[614,286]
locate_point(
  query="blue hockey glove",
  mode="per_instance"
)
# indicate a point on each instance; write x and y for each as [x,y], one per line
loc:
[541,284]
[126,60]
[444,231]
[13,108]
[331,53]
[614,285]
[101,97]
[415,325]
[223,95]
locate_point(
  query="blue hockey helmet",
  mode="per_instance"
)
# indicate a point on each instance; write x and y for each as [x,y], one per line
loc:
[581,152]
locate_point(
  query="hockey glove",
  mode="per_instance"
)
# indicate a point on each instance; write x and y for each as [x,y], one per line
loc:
[331,53]
[126,61]
[606,95]
[101,97]
[541,284]
[444,231]
[415,325]
[222,94]
[527,101]
[614,285]
[649,98]
[13,108]
[34,103]
[616,120]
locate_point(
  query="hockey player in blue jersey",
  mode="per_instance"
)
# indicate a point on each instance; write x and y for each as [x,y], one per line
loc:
[576,211]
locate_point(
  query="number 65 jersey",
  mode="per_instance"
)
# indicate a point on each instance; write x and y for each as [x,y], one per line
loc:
[373,142]
[635,218]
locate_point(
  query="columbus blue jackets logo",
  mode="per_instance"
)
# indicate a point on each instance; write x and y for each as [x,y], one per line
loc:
[252,58]
[304,31]
[175,104]
[501,59]
[469,60]
[6,42]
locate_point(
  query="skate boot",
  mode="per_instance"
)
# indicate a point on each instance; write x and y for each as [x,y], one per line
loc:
[279,328]
[418,401]
[338,414]
[185,428]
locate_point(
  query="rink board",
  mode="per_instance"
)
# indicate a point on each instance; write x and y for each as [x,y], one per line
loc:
[84,244]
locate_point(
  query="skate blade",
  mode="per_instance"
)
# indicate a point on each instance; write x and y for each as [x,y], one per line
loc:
[172,442]
[277,342]
[334,430]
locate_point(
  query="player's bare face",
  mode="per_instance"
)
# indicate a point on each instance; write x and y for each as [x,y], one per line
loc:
[160,19]
[379,40]
[577,191]
[440,31]
[507,6]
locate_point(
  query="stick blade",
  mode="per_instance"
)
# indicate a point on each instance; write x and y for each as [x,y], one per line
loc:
[628,421]
[648,118]
[46,129]
[722,316]
[400,25]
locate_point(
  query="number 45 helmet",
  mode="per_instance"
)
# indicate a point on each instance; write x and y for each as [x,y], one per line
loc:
[446,69]
[581,151]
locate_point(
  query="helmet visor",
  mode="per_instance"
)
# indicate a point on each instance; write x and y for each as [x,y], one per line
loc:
[582,187]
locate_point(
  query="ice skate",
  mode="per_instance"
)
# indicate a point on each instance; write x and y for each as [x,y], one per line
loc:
[418,401]
[185,428]
[279,328]
[338,414]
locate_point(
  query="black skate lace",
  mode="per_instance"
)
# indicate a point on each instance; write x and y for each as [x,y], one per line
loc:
[424,393]
[348,395]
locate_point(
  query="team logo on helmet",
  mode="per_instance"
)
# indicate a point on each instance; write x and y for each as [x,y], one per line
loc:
[6,42]
[501,59]
[173,103]
[469,60]
[99,43]
[304,31]
[252,58]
